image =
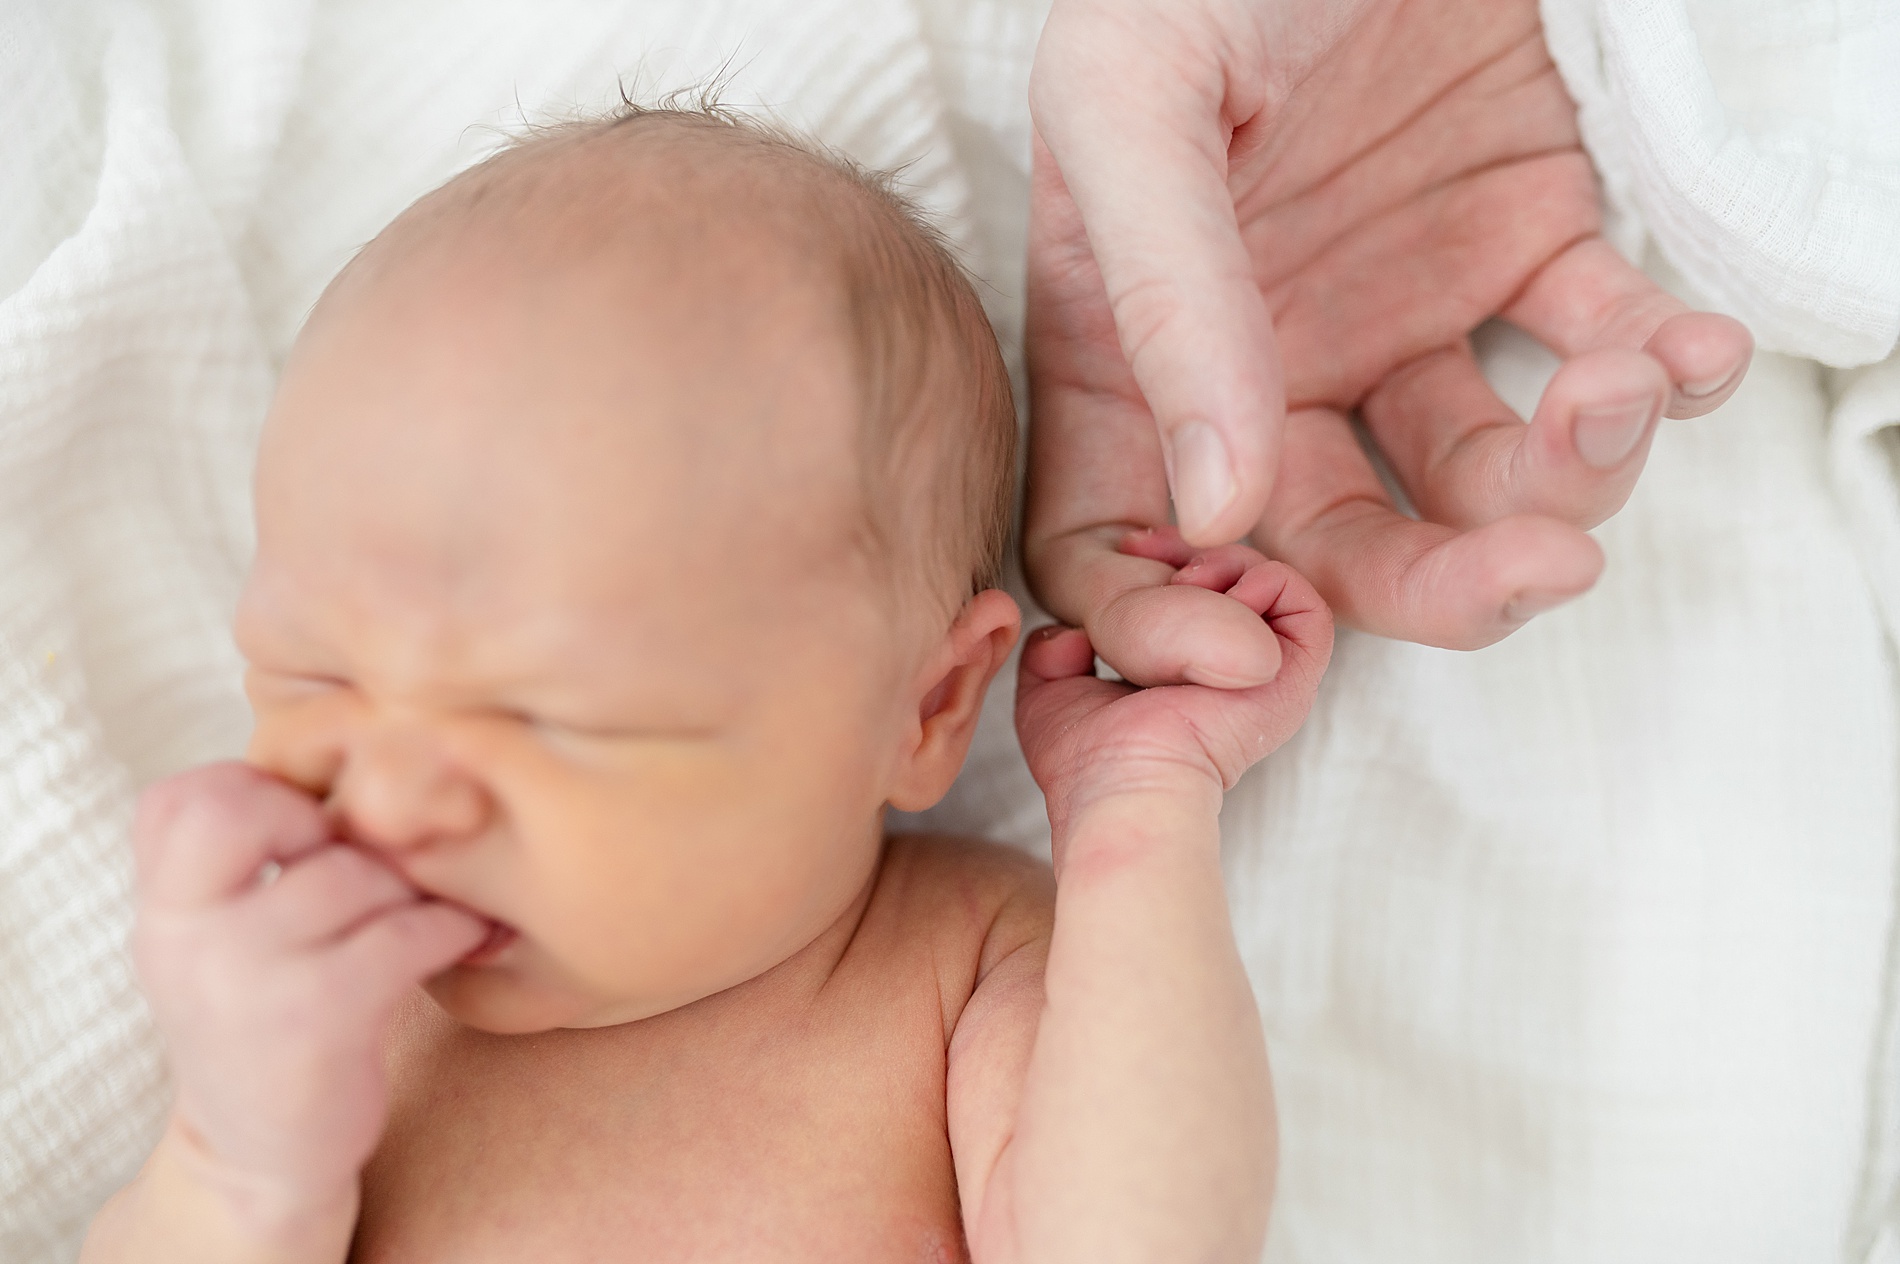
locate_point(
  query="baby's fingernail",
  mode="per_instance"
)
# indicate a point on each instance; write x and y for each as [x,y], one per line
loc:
[1531,603]
[1200,474]
[1605,437]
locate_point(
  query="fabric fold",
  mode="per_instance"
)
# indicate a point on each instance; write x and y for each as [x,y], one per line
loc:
[1758,145]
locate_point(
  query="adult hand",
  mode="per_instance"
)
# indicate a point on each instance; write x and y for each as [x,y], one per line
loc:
[1253,217]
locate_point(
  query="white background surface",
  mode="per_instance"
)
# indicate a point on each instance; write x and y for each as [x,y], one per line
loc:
[1574,949]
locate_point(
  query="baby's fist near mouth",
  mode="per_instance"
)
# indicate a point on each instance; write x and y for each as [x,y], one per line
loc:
[1200,725]
[274,956]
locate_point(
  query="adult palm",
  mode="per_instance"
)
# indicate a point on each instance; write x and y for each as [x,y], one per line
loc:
[1251,219]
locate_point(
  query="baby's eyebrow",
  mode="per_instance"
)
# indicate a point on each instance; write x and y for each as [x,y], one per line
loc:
[625,730]
[671,704]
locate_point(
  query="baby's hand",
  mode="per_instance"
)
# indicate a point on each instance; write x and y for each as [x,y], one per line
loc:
[1155,624]
[1087,738]
[274,994]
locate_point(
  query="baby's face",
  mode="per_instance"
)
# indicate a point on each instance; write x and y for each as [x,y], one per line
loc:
[558,606]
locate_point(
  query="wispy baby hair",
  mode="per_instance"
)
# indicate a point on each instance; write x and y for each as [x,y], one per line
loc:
[937,426]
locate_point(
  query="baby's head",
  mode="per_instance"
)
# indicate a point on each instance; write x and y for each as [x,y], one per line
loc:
[627,521]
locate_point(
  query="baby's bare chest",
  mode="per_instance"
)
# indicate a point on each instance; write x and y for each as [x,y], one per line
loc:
[720,1132]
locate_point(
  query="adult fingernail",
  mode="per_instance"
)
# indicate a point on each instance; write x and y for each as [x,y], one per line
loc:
[1200,474]
[1605,437]
[1706,387]
[1533,602]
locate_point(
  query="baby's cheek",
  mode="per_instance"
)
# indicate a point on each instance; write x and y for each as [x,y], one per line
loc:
[653,883]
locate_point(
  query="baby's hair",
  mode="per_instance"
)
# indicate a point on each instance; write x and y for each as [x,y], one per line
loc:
[938,425]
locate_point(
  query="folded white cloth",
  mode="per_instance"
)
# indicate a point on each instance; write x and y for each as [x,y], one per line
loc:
[1576,948]
[1758,143]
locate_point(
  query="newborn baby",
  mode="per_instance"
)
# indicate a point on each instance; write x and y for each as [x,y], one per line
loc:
[627,524]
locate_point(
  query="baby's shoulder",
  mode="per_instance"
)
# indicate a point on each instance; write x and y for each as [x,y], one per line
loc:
[970,903]
[964,882]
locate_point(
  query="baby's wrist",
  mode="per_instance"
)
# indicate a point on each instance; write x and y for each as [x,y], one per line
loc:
[1145,821]
[256,1216]
[1159,791]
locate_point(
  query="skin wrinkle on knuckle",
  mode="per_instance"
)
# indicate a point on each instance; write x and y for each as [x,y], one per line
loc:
[1147,311]
[1464,470]
[1346,514]
[1647,315]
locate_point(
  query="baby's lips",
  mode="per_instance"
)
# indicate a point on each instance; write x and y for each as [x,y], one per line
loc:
[498,940]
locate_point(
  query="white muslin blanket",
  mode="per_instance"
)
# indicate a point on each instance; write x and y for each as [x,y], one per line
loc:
[1579,948]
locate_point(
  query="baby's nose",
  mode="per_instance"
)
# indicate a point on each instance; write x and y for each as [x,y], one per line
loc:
[397,790]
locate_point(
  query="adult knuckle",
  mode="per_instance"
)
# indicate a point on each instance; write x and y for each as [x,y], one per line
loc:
[1147,309]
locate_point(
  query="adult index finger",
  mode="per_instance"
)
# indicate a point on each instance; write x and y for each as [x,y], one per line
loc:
[1134,108]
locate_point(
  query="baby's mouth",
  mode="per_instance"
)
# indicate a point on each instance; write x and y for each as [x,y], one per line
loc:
[499,939]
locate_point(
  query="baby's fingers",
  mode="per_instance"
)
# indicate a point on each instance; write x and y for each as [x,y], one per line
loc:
[409,944]
[1293,609]
[1218,570]
[1056,691]
[203,835]
[1183,634]
[321,897]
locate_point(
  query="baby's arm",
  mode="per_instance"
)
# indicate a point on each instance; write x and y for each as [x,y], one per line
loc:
[273,1000]
[1129,1115]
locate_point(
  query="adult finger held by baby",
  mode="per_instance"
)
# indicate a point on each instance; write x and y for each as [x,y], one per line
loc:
[206,835]
[1057,652]
[1588,297]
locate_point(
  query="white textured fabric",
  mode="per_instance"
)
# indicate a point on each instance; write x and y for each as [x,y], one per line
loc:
[1574,949]
[130,378]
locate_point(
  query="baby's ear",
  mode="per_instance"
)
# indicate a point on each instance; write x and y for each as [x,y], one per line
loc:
[948,697]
